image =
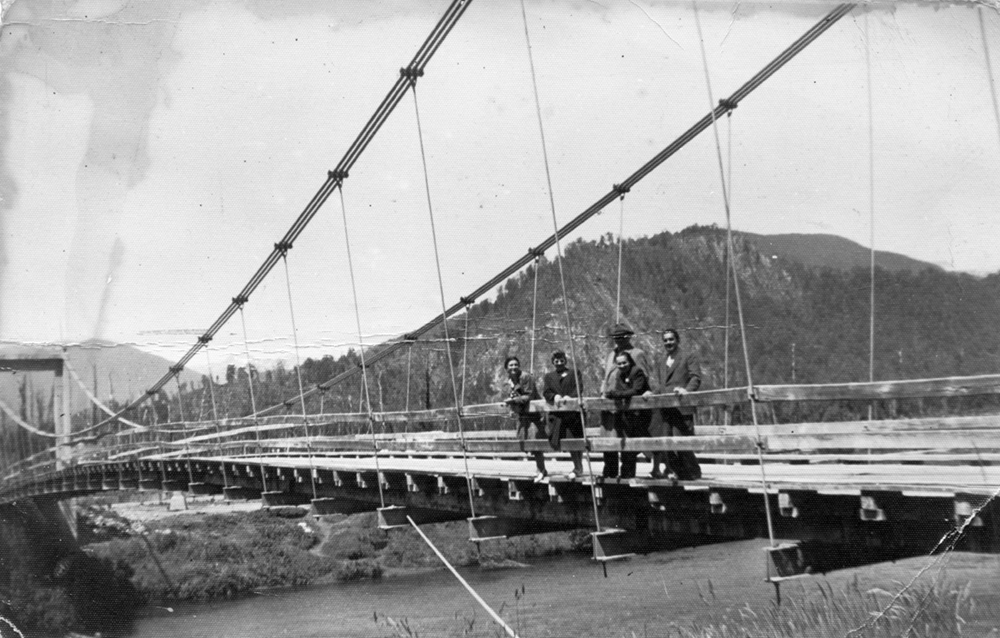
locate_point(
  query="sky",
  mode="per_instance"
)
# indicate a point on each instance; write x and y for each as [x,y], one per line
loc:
[152,153]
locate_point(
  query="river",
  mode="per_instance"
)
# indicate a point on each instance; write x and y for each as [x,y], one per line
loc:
[564,596]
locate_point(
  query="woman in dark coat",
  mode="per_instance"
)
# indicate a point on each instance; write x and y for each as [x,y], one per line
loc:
[629,380]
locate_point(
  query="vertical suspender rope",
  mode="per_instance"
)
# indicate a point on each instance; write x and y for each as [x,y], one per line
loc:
[736,283]
[444,309]
[989,70]
[465,352]
[621,232]
[728,258]
[215,416]
[409,357]
[187,445]
[253,400]
[562,276]
[361,348]
[534,315]
[284,248]
[871,223]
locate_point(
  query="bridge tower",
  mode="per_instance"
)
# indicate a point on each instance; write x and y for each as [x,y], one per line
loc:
[61,409]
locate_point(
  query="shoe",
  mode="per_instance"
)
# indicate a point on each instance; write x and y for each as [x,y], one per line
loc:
[656,474]
[571,476]
[540,477]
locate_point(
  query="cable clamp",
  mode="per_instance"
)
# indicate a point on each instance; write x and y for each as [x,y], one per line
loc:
[409,337]
[204,339]
[283,247]
[151,392]
[411,74]
[467,301]
[621,189]
[239,300]
[536,252]
[729,104]
[338,175]
[176,369]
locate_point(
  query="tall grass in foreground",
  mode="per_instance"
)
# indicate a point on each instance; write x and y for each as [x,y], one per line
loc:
[936,610]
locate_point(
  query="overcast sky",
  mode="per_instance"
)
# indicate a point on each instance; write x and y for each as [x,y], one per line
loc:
[152,153]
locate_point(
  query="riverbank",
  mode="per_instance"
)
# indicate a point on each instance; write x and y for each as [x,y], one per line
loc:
[221,550]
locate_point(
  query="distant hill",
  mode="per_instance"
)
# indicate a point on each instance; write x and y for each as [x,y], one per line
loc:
[124,369]
[832,251]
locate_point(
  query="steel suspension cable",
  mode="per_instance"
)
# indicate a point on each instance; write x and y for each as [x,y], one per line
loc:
[409,356]
[871,214]
[215,416]
[465,355]
[621,231]
[989,71]
[559,262]
[298,370]
[253,399]
[393,346]
[95,400]
[334,179]
[736,281]
[534,316]
[444,310]
[728,258]
[361,348]
[187,445]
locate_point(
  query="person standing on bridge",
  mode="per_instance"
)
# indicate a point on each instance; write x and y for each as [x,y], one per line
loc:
[558,385]
[679,372]
[629,380]
[621,340]
[521,391]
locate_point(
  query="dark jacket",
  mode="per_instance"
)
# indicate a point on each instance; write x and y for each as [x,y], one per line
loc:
[521,393]
[631,423]
[560,383]
[684,373]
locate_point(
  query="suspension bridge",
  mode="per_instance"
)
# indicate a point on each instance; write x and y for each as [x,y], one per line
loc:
[894,487]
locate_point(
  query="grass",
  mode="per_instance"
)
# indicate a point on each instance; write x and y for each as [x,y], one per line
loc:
[936,610]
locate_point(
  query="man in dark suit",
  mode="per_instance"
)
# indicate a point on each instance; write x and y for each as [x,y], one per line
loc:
[558,385]
[679,372]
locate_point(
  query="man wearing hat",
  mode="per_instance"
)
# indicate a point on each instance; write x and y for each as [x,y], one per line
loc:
[564,383]
[621,340]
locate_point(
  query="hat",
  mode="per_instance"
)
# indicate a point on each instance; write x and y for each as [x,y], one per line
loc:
[558,354]
[620,330]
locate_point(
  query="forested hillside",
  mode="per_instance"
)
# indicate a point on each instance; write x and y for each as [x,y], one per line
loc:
[804,324]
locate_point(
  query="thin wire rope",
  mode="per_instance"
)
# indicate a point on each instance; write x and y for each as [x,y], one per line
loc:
[871,221]
[562,276]
[298,377]
[621,233]
[465,354]
[736,280]
[534,317]
[253,400]
[740,94]
[215,416]
[444,309]
[728,259]
[187,444]
[361,348]
[409,357]
[989,71]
